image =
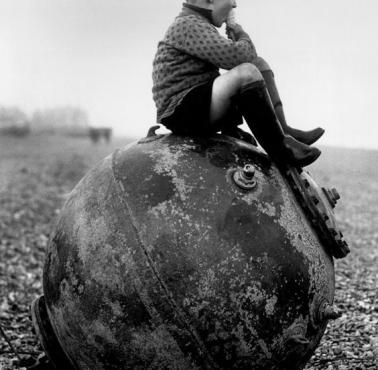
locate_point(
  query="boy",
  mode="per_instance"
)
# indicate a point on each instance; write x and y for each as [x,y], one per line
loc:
[192,98]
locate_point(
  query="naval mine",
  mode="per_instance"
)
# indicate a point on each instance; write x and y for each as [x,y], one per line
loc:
[190,253]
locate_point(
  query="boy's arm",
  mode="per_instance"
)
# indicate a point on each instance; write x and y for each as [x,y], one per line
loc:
[235,32]
[203,41]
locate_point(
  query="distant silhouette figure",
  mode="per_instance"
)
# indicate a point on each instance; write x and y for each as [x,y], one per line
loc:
[95,134]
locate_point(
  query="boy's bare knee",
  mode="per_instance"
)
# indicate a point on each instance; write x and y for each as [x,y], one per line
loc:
[261,64]
[247,73]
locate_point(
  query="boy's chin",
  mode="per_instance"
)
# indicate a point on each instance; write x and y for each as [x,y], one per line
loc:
[218,24]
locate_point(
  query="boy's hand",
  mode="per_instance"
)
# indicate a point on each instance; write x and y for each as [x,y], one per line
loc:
[235,31]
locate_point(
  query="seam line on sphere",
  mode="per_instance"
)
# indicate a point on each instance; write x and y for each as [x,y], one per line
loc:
[203,353]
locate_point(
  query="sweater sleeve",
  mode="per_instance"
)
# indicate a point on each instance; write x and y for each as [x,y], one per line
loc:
[203,41]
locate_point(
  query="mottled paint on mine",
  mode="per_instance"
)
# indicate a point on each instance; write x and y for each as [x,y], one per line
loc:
[161,261]
[102,301]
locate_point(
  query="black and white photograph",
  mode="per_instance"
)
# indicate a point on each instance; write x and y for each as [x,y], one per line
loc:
[188,185]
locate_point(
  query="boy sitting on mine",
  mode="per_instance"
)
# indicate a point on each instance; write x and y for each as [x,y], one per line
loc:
[192,98]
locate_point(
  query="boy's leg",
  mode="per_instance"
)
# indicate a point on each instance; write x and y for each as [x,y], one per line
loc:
[307,137]
[246,83]
[223,114]
[227,86]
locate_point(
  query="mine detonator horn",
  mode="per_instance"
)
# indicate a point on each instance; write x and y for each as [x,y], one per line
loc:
[256,106]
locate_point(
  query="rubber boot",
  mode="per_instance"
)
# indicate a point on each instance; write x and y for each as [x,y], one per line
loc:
[255,104]
[306,137]
[238,133]
[230,123]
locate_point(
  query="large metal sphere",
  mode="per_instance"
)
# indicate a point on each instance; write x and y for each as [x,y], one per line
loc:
[182,253]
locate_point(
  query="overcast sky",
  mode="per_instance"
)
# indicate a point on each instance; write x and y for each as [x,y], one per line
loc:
[98,54]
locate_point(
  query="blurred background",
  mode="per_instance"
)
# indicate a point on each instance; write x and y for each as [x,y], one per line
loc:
[68,64]
[75,73]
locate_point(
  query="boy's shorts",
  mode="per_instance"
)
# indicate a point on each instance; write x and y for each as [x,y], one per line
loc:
[192,116]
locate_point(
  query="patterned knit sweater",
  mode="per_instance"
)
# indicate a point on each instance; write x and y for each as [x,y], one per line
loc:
[191,54]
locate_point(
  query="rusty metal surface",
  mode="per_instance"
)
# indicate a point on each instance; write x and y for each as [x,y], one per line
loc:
[318,204]
[160,260]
